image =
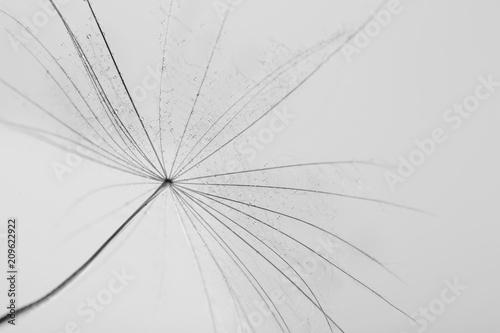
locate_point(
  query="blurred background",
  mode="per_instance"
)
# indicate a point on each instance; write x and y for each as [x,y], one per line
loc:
[370,104]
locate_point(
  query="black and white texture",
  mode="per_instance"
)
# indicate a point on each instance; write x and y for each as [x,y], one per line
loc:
[251,166]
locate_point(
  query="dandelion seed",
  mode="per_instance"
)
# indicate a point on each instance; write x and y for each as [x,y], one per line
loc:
[253,233]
